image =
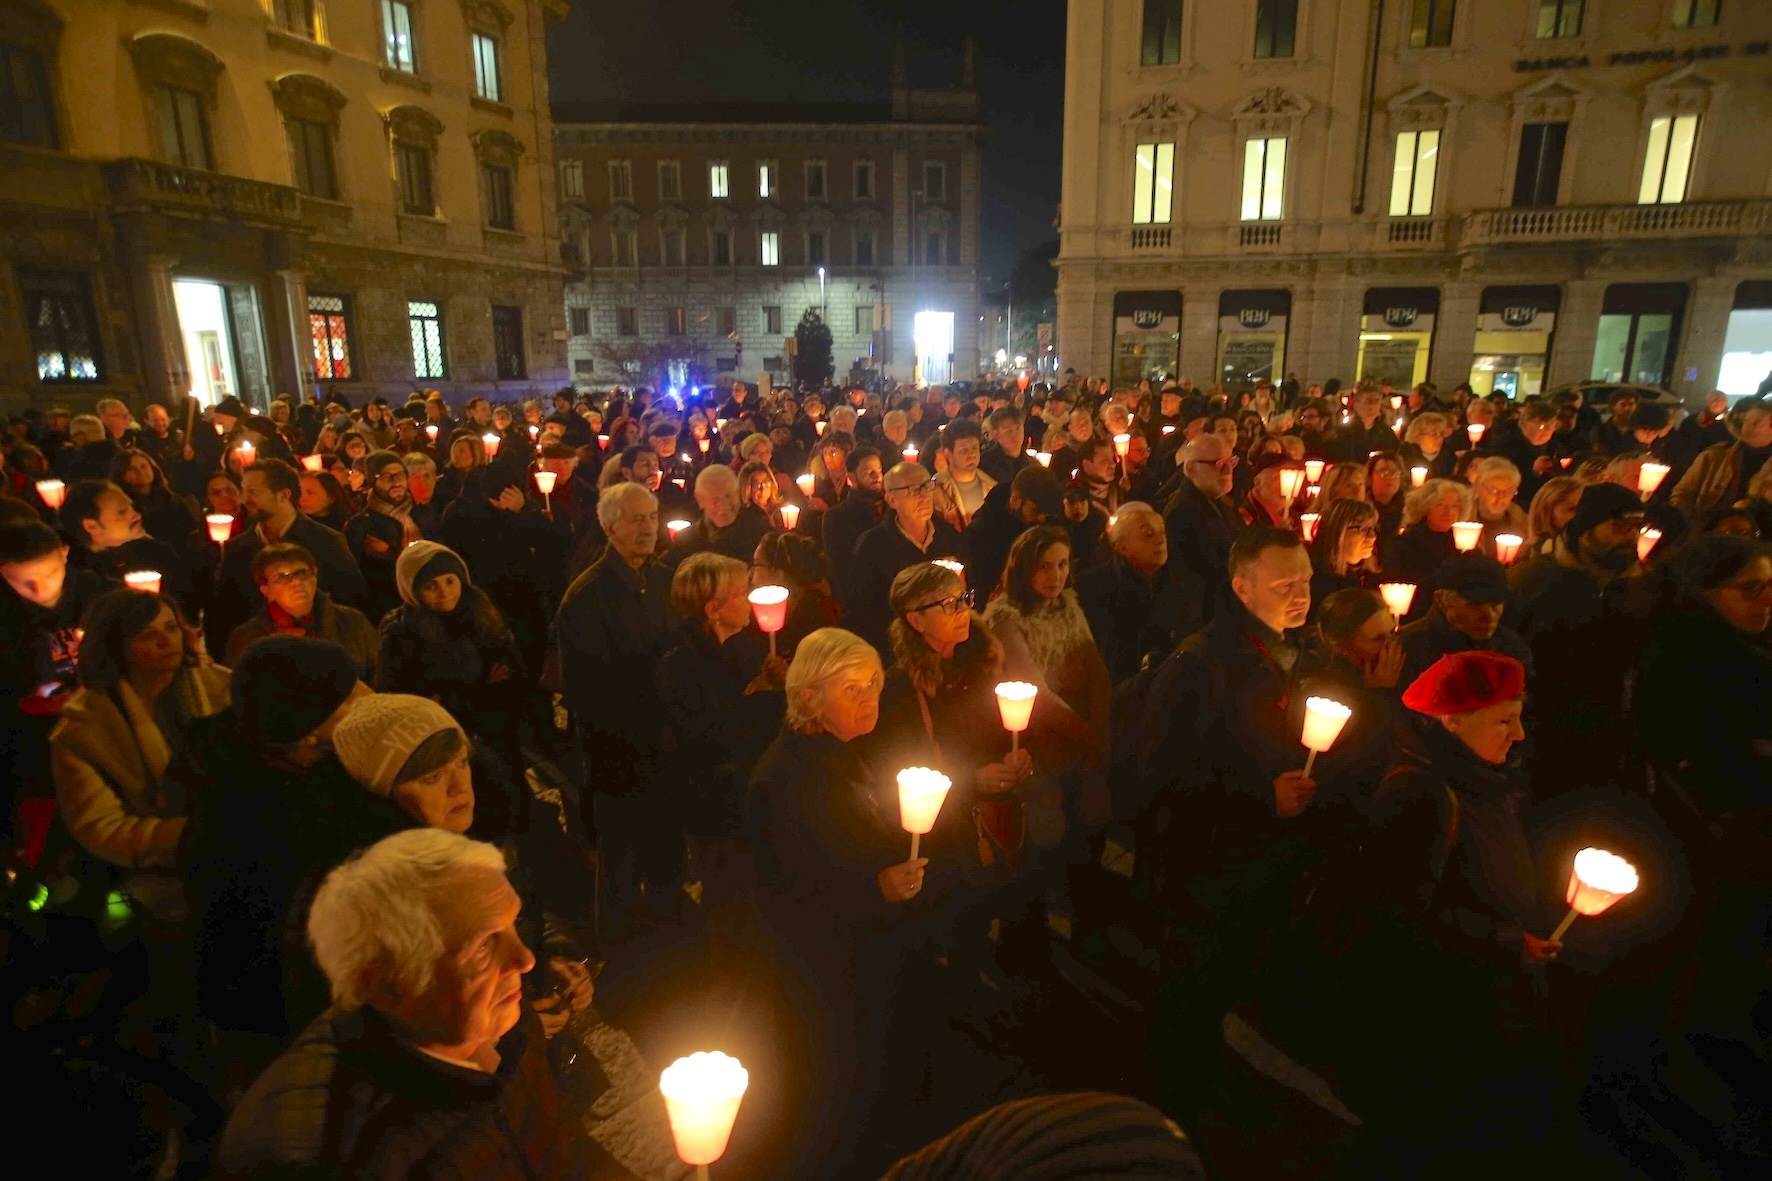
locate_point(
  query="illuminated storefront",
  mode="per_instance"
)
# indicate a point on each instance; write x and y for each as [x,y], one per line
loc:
[1397,334]
[1147,336]
[1639,328]
[1747,345]
[1514,327]
[1252,337]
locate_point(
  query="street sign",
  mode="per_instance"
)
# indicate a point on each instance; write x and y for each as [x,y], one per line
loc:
[1045,331]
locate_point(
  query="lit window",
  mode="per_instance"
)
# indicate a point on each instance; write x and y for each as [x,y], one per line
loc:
[572,179]
[1264,179]
[1276,28]
[1153,183]
[1696,14]
[486,80]
[1667,167]
[717,185]
[1431,23]
[1162,33]
[771,249]
[329,326]
[64,332]
[425,320]
[1559,18]
[1412,176]
[398,49]
[765,180]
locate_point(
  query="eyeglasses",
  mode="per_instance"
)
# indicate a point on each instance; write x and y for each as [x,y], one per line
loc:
[291,577]
[915,489]
[1363,530]
[1225,466]
[952,605]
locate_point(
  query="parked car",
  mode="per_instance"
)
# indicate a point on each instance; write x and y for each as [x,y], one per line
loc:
[1598,394]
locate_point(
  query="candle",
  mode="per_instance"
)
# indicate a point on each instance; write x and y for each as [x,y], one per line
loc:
[680,482]
[544,481]
[1307,526]
[676,527]
[1044,458]
[1291,482]
[1397,596]
[312,462]
[143,580]
[1168,429]
[770,605]
[920,794]
[1313,470]
[1314,491]
[950,565]
[1649,478]
[1396,401]
[1475,431]
[431,430]
[704,444]
[247,454]
[719,425]
[1417,476]
[218,428]
[220,526]
[1646,541]
[910,454]
[603,441]
[702,1093]
[1507,547]
[1466,534]
[1122,444]
[806,483]
[790,515]
[820,426]
[491,441]
[1022,380]
[1598,880]
[534,430]
[52,492]
[1323,720]
[1015,702]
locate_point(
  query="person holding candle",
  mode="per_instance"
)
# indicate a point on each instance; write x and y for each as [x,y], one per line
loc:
[1429,512]
[1214,738]
[1720,474]
[721,528]
[1496,482]
[143,680]
[104,522]
[910,534]
[1343,553]
[848,912]
[795,561]
[166,516]
[1370,429]
[1455,899]
[1385,479]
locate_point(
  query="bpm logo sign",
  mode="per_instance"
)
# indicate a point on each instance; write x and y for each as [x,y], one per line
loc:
[1254,317]
[1146,318]
[1518,315]
[1400,317]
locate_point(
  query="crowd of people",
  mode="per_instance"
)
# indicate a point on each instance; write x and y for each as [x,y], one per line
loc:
[347,742]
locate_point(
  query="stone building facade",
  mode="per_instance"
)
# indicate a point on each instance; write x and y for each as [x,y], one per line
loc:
[703,234]
[1517,194]
[252,196]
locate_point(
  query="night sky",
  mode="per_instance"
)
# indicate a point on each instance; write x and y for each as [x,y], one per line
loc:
[841,50]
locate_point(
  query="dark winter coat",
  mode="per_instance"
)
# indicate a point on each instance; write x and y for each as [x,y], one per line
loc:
[1429,638]
[467,661]
[378,568]
[1134,618]
[236,594]
[343,625]
[1200,534]
[843,526]
[719,732]
[880,555]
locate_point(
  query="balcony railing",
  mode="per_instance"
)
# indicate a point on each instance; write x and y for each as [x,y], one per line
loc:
[1690,219]
[168,187]
[1261,234]
[1150,238]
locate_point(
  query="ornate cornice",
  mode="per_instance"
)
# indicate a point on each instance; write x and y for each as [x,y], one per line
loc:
[175,61]
[497,146]
[413,125]
[487,14]
[615,134]
[303,96]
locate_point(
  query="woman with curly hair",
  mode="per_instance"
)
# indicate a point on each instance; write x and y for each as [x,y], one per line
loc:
[1427,540]
[1424,444]
[795,561]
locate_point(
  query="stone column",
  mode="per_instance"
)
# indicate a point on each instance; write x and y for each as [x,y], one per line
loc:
[1199,335]
[1701,344]
[286,324]
[1578,324]
[1455,335]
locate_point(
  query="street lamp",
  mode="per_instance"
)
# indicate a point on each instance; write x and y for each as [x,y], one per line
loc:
[823,307]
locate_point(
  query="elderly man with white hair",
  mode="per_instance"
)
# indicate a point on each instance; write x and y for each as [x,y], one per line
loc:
[1496,482]
[427,1064]
[1201,518]
[721,529]
[611,629]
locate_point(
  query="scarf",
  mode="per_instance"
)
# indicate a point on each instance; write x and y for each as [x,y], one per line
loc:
[291,625]
[402,513]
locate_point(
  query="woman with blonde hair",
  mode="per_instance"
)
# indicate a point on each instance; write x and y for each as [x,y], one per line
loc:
[848,912]
[1427,540]
[1552,507]
[1344,551]
[759,494]
[1343,481]
[1424,444]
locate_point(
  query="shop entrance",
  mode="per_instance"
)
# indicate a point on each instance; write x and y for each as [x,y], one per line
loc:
[224,341]
[1639,332]
[1397,335]
[1252,337]
[934,334]
[1147,337]
[1513,343]
[1747,345]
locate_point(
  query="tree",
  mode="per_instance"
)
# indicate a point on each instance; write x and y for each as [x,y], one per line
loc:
[1034,281]
[813,363]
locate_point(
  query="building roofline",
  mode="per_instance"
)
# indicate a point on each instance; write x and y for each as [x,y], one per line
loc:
[773,116]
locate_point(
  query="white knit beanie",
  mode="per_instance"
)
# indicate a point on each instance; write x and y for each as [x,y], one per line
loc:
[379,733]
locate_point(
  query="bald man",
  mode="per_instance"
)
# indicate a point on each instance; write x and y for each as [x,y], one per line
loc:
[1139,604]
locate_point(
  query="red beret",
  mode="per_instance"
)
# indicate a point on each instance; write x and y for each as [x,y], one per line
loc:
[1466,681]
